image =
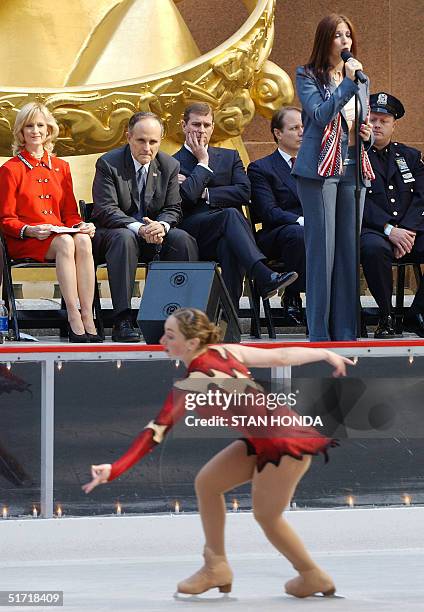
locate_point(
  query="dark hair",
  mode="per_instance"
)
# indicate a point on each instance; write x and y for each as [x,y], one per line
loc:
[197,108]
[277,121]
[194,323]
[318,63]
[144,115]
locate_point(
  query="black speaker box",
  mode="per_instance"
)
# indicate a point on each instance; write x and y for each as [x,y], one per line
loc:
[173,285]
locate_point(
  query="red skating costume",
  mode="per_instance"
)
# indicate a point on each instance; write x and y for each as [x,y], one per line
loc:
[219,364]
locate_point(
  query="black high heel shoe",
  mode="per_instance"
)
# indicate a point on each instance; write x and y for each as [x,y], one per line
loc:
[93,337]
[73,337]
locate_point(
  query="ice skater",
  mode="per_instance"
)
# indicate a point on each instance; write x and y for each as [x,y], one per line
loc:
[274,465]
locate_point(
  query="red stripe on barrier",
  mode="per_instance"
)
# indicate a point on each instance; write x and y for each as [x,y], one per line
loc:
[83,348]
[156,348]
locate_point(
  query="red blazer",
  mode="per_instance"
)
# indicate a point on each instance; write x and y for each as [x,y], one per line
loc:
[40,192]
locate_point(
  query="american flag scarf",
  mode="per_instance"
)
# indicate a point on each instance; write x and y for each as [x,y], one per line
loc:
[330,156]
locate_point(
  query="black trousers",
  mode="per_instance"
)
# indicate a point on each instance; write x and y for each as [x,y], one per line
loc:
[377,258]
[224,235]
[121,249]
[288,245]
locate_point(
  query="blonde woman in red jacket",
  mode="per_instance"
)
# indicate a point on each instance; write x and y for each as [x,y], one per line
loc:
[36,198]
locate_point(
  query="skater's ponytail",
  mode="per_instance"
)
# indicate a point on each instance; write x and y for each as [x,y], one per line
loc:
[194,323]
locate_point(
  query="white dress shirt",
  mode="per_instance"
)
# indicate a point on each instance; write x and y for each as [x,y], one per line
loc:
[287,158]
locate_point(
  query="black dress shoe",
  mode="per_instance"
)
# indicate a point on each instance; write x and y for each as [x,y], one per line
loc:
[415,324]
[277,280]
[385,327]
[93,337]
[292,306]
[73,337]
[123,331]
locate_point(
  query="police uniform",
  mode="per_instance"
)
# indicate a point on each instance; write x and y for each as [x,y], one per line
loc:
[395,198]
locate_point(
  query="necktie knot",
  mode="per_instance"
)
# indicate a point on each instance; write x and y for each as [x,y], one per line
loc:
[292,160]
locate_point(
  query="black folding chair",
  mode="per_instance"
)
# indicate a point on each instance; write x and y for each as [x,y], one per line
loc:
[400,290]
[41,318]
[276,266]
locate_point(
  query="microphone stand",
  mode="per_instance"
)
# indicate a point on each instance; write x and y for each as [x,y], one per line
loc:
[358,177]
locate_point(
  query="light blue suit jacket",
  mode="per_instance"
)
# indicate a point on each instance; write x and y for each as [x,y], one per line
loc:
[317,112]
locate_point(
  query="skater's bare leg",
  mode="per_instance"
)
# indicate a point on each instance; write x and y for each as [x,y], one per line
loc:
[272,491]
[228,469]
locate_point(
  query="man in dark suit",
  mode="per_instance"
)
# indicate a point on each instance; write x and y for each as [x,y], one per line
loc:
[137,205]
[214,187]
[275,204]
[393,222]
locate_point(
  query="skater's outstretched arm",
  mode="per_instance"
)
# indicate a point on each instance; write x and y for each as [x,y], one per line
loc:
[266,358]
[146,441]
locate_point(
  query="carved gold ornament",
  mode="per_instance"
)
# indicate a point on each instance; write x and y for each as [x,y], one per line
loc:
[236,78]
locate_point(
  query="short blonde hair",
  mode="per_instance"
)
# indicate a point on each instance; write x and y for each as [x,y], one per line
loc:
[25,116]
[194,323]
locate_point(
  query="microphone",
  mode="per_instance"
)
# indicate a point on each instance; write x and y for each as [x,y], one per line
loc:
[347,55]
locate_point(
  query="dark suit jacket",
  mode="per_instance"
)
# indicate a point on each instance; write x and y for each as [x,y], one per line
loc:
[274,201]
[115,191]
[228,184]
[407,210]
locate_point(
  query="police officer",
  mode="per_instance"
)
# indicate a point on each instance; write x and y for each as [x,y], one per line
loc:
[393,222]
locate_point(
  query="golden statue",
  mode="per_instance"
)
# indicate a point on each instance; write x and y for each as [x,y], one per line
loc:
[87,61]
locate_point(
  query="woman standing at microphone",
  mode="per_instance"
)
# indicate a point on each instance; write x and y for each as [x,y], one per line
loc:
[325,173]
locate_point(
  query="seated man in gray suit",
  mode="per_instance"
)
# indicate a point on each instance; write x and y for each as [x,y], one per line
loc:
[137,205]
[276,205]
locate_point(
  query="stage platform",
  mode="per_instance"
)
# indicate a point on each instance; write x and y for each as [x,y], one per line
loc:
[284,331]
[130,564]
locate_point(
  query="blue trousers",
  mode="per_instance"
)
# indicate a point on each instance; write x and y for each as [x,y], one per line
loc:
[329,212]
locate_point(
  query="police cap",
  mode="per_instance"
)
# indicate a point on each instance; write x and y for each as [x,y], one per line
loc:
[385,103]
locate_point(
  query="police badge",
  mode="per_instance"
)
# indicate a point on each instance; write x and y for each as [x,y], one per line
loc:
[382,99]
